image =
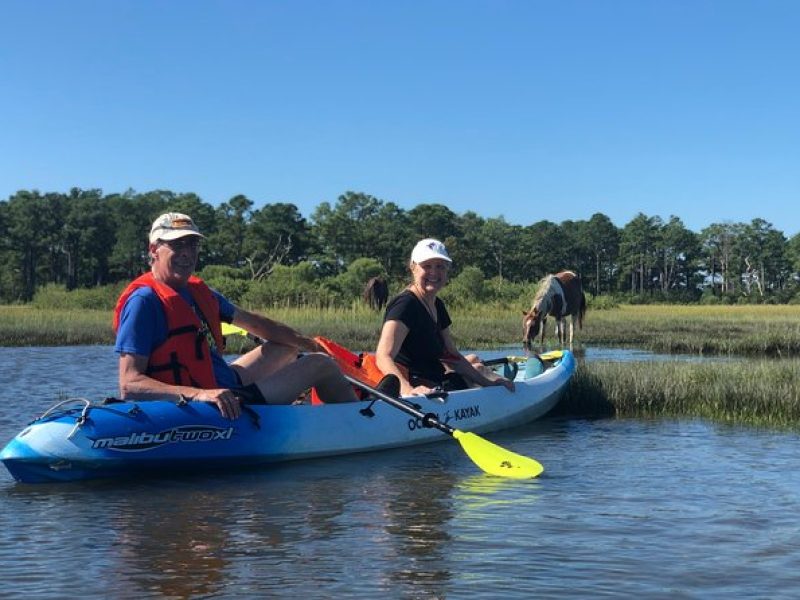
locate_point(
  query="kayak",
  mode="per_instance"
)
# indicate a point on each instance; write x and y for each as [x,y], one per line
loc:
[78,439]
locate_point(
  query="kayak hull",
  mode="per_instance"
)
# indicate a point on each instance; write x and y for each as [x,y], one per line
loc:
[128,438]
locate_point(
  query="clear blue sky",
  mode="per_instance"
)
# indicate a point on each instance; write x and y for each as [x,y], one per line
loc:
[527,109]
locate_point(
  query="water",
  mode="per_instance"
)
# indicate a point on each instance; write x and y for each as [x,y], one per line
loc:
[632,508]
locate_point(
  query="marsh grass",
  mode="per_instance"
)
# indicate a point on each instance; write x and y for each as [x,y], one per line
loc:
[746,330]
[30,326]
[757,392]
[356,327]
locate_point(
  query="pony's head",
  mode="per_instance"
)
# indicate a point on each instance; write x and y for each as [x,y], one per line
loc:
[531,326]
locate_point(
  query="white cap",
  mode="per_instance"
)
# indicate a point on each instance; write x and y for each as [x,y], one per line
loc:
[427,249]
[171,226]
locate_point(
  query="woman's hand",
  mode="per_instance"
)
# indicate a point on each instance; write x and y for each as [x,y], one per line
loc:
[420,390]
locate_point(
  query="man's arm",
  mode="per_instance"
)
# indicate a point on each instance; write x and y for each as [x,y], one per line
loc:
[273,331]
[135,384]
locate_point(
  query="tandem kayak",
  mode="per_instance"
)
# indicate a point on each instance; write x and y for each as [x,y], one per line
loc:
[78,439]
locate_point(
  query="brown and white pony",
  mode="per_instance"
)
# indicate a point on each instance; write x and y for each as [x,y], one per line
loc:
[560,295]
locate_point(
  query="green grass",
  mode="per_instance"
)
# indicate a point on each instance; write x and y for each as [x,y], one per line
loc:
[356,327]
[724,330]
[747,330]
[754,391]
[29,326]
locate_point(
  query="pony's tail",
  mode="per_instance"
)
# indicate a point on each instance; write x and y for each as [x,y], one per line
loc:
[582,311]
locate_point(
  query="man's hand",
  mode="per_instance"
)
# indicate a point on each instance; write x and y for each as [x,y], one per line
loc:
[226,401]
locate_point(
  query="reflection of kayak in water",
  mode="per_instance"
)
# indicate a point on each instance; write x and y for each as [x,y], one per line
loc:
[80,440]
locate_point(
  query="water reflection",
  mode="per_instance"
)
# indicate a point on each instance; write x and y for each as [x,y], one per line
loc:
[418,509]
[178,550]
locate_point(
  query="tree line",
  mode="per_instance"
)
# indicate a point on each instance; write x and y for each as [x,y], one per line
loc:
[84,239]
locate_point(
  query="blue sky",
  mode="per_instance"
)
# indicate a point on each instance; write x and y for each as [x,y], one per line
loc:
[527,109]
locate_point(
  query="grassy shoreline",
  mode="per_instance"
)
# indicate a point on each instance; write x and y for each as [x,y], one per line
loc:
[756,392]
[750,390]
[704,330]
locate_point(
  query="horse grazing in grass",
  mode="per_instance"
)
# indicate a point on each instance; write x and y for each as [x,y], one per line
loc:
[376,293]
[559,296]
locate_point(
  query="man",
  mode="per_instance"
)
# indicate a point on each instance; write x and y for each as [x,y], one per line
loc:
[169,337]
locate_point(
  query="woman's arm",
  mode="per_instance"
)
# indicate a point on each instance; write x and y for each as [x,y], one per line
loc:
[476,373]
[393,334]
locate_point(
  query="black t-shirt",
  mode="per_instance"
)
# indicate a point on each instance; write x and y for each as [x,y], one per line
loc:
[423,347]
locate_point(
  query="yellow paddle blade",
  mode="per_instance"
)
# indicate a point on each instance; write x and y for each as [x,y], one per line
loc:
[228,329]
[517,359]
[496,460]
[552,355]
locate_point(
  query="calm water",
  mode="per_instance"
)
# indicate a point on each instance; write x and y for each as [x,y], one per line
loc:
[656,509]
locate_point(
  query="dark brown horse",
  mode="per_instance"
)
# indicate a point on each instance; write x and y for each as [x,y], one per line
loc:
[376,293]
[559,296]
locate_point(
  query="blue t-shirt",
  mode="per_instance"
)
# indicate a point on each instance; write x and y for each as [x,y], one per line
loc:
[143,327]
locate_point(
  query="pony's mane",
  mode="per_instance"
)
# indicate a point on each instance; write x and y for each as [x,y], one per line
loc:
[544,290]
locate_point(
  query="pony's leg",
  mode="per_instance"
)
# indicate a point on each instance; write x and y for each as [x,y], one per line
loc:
[571,330]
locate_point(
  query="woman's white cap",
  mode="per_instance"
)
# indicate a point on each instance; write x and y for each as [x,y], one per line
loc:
[427,249]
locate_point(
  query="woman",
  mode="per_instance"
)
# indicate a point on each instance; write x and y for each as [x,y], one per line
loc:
[415,339]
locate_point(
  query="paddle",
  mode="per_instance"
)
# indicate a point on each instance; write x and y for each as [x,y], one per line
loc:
[488,456]
[229,329]
[546,356]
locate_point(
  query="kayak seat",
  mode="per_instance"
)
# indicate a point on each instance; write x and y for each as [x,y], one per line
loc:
[389,385]
[533,367]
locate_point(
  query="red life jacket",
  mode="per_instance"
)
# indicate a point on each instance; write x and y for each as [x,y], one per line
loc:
[185,356]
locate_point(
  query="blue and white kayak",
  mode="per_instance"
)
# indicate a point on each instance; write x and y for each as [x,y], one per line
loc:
[78,439]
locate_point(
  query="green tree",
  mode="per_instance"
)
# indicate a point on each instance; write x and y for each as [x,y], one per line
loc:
[351,283]
[601,239]
[792,250]
[432,221]
[88,235]
[499,241]
[342,230]
[678,249]
[6,274]
[33,231]
[467,287]
[389,240]
[543,245]
[277,234]
[468,247]
[718,255]
[226,245]
[133,215]
[639,252]
[763,253]
[573,243]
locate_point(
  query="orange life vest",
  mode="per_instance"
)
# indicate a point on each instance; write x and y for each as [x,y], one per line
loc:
[185,356]
[359,366]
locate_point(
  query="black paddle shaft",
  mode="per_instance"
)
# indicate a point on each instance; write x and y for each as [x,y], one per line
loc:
[427,419]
